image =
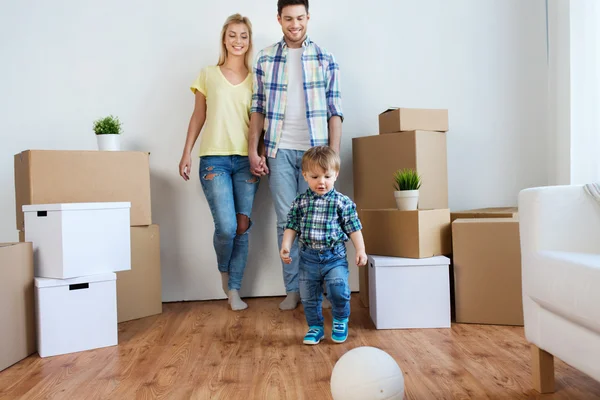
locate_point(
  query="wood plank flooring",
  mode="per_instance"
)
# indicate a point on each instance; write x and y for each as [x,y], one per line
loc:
[201,350]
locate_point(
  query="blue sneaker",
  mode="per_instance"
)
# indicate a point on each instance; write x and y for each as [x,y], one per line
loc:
[314,335]
[339,332]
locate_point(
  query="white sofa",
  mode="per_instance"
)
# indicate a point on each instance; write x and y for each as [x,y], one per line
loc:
[560,250]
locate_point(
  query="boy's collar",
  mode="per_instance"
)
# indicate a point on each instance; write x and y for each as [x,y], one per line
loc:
[326,195]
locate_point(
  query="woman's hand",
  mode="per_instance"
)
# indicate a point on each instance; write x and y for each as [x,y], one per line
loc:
[185,166]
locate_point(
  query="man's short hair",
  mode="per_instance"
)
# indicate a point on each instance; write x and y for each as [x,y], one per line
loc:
[281,4]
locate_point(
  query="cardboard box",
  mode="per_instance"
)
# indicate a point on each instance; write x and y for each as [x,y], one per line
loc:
[48,177]
[139,292]
[17,310]
[377,157]
[410,119]
[410,234]
[363,286]
[487,271]
[490,212]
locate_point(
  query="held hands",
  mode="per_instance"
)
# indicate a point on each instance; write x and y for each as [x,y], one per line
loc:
[258,165]
[285,255]
[361,258]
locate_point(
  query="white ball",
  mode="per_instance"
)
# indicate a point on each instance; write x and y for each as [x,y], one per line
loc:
[367,373]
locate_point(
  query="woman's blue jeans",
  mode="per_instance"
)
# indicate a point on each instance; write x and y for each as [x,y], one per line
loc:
[229,188]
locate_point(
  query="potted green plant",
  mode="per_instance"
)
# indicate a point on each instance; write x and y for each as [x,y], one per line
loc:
[407,184]
[108,133]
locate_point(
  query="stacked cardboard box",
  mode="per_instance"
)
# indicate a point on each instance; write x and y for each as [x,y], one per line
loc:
[17,330]
[408,138]
[50,177]
[487,266]
[490,212]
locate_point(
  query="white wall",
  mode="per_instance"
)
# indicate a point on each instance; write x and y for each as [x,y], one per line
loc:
[67,62]
[574,91]
[559,93]
[585,91]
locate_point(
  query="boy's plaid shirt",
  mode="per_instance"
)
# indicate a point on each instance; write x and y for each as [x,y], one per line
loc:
[323,221]
[321,89]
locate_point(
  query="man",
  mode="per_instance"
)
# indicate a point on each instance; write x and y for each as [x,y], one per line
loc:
[297,102]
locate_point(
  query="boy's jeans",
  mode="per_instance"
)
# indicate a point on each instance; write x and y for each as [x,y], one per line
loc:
[331,266]
[229,188]
[286,182]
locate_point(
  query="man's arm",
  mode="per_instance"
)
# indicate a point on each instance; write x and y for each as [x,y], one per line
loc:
[335,132]
[257,121]
[255,136]
[335,115]
[256,145]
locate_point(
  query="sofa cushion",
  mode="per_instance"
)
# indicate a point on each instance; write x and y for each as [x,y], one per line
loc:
[567,284]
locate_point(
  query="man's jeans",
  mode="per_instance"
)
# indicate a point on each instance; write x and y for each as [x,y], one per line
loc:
[331,266]
[229,188]
[286,182]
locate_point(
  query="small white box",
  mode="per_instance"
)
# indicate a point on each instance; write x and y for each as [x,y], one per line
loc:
[76,314]
[79,239]
[409,293]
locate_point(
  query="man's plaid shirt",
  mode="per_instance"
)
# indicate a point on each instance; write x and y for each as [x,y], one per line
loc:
[323,221]
[321,88]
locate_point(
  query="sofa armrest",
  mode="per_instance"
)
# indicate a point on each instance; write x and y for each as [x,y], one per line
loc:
[559,218]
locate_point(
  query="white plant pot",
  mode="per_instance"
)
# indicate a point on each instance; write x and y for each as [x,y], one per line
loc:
[407,199]
[110,142]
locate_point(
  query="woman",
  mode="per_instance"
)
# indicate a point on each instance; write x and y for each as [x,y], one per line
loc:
[222,106]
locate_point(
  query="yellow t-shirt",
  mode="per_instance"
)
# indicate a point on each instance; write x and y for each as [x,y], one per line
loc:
[227,121]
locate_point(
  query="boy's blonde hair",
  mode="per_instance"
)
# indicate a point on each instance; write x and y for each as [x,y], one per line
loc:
[321,156]
[236,19]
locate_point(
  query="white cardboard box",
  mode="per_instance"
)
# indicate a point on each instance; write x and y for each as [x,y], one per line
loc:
[76,314]
[409,293]
[79,239]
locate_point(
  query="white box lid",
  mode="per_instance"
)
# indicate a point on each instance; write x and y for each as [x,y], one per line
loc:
[76,206]
[382,261]
[50,282]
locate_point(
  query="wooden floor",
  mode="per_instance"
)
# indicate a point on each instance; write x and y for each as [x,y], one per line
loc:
[201,350]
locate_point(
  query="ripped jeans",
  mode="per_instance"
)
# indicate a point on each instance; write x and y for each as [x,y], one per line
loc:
[229,188]
[329,266]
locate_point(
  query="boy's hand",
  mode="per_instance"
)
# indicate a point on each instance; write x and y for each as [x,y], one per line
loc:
[361,258]
[285,255]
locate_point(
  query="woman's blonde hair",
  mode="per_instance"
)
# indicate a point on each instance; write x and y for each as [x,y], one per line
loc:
[236,19]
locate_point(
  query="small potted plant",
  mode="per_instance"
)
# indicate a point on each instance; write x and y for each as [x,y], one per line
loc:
[407,184]
[108,132]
